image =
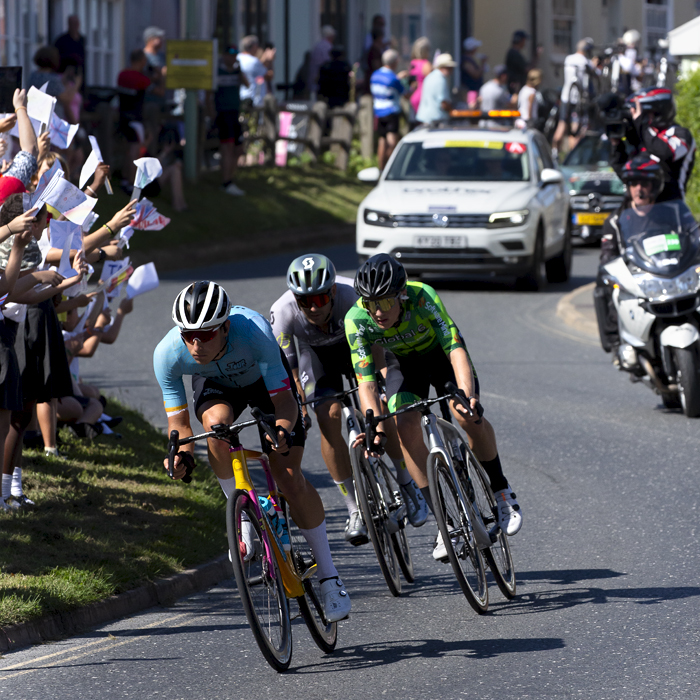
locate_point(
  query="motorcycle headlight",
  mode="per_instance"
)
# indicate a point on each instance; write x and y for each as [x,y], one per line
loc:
[509,218]
[657,288]
[378,218]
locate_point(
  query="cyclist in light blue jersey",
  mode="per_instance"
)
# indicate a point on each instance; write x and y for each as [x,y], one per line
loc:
[235,362]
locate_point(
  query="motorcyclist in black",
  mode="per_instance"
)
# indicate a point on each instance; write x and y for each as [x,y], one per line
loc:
[653,131]
[645,179]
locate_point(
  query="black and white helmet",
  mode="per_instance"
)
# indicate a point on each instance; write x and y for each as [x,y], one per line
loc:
[380,276]
[201,305]
[311,274]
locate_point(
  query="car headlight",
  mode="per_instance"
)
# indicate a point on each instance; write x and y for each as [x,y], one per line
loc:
[657,288]
[378,218]
[509,218]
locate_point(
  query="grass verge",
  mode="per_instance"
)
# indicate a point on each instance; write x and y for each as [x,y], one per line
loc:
[276,199]
[107,519]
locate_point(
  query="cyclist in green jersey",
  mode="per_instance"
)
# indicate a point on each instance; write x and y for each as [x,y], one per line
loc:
[423,347]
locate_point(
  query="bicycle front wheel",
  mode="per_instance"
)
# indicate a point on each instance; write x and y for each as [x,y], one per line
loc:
[259,582]
[498,555]
[324,633]
[458,535]
[375,515]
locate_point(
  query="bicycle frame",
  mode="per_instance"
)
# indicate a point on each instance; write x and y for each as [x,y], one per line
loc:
[292,583]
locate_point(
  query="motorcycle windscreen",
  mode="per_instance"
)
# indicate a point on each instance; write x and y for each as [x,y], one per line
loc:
[660,238]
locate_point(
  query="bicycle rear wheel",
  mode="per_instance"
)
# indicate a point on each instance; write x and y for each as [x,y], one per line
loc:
[259,584]
[372,502]
[399,539]
[324,633]
[458,535]
[498,555]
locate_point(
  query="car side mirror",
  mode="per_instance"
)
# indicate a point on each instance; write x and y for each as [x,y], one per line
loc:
[550,176]
[369,175]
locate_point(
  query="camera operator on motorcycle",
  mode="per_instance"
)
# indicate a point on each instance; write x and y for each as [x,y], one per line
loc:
[650,129]
[644,179]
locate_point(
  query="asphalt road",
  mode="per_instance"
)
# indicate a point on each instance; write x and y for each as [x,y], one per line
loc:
[607,559]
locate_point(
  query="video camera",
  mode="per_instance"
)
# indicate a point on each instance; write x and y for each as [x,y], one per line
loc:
[615,114]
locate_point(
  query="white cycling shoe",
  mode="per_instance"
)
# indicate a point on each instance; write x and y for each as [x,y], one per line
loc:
[247,531]
[418,510]
[510,518]
[336,601]
[439,549]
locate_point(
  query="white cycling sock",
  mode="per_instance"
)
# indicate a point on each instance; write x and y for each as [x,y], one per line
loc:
[6,485]
[318,541]
[402,474]
[228,486]
[17,482]
[104,417]
[347,489]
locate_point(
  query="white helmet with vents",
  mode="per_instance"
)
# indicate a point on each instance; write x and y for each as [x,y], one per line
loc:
[200,306]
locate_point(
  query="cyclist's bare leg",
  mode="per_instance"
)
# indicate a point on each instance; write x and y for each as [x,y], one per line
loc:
[213,413]
[333,446]
[482,437]
[413,446]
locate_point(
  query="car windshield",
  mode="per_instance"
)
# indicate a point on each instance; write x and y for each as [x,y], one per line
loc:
[660,238]
[591,150]
[453,160]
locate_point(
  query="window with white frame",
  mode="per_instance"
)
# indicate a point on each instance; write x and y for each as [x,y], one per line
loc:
[563,26]
[18,34]
[657,22]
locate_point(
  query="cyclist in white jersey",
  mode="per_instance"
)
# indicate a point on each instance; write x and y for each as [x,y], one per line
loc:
[309,324]
[235,362]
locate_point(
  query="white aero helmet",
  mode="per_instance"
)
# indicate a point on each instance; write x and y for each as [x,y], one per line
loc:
[631,37]
[201,305]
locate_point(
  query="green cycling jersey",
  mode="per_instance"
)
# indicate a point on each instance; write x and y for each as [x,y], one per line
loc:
[424,324]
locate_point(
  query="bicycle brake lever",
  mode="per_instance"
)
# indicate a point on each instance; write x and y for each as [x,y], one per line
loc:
[173,447]
[458,395]
[370,431]
[267,422]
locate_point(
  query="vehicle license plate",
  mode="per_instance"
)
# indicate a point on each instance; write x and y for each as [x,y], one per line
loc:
[440,242]
[596,219]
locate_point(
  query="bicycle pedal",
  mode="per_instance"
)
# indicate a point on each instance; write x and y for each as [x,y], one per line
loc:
[359,541]
[309,572]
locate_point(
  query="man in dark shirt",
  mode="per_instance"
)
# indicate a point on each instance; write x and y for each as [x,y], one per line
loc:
[516,64]
[71,46]
[334,79]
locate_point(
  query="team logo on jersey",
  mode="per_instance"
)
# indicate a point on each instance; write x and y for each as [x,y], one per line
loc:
[236,365]
[284,340]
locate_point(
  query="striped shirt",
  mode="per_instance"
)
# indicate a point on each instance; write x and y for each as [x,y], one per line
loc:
[386,90]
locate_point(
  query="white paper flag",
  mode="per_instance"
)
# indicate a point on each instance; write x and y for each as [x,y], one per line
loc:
[147,170]
[61,132]
[62,237]
[40,106]
[144,279]
[93,160]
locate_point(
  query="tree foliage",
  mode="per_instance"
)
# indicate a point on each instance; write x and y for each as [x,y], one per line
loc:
[688,107]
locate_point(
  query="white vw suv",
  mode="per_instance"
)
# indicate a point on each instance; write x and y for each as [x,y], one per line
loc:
[465,199]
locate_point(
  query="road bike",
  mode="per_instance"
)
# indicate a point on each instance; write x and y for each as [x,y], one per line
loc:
[266,575]
[379,497]
[465,507]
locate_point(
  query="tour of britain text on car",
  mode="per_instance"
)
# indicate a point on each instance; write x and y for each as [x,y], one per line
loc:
[460,198]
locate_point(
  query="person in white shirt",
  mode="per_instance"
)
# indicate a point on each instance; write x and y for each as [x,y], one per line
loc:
[255,71]
[577,69]
[527,97]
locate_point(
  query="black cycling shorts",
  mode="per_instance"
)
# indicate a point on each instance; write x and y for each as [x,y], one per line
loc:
[387,125]
[229,126]
[409,377]
[239,399]
[321,370]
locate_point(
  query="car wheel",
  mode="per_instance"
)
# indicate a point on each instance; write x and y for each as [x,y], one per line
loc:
[535,278]
[559,267]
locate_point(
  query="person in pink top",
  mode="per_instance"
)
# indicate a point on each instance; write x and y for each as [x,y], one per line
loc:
[421,65]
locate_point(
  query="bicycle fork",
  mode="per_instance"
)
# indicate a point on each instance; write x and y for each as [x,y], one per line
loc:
[474,521]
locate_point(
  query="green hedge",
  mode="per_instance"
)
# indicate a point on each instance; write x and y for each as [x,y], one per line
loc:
[688,105]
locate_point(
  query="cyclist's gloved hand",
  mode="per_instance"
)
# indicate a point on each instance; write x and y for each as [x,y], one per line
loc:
[477,408]
[307,422]
[284,441]
[379,442]
[184,466]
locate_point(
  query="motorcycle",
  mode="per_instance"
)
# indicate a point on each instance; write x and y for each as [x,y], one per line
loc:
[655,283]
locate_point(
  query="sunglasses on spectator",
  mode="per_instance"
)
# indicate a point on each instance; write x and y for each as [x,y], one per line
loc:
[380,304]
[317,300]
[203,336]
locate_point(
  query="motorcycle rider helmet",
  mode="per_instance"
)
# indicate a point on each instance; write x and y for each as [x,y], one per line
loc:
[631,37]
[201,306]
[657,104]
[644,167]
[311,274]
[380,276]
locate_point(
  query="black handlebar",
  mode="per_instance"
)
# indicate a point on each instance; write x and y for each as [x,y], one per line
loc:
[267,423]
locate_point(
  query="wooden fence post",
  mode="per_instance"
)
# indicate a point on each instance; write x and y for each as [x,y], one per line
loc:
[365,120]
[342,128]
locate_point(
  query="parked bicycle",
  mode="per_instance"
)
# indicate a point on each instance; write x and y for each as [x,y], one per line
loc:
[465,508]
[379,497]
[266,575]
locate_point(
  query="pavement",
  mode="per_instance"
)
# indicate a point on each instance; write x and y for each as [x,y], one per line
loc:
[576,310]
[606,562]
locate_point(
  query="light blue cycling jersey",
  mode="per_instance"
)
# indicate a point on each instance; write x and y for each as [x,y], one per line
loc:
[251,352]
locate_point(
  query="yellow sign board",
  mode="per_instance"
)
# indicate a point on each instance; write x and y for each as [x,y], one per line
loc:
[191,64]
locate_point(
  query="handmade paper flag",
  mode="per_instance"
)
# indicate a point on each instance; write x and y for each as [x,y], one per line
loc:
[144,279]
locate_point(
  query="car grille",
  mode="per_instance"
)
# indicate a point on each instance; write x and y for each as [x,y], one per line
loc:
[604,202]
[471,256]
[453,220]
[676,307]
